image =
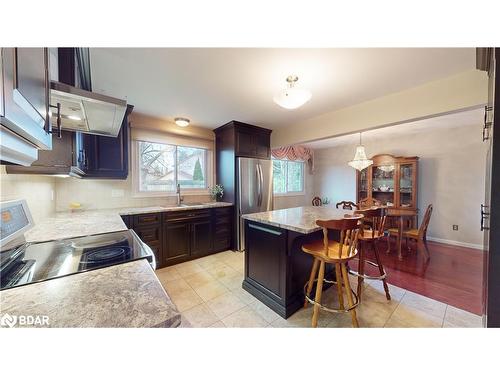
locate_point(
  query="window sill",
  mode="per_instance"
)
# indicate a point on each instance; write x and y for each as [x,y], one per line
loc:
[152,194]
[283,195]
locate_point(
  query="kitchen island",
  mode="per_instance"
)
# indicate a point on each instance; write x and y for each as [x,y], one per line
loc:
[276,269]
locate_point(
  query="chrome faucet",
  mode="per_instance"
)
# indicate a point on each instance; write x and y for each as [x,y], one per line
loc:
[178,192]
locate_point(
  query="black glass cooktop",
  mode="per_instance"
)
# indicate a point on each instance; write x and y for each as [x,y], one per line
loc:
[36,262]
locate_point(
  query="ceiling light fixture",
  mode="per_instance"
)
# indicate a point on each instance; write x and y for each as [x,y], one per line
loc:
[360,160]
[75,118]
[292,97]
[181,121]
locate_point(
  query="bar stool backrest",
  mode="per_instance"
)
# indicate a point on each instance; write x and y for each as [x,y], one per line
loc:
[349,228]
[376,217]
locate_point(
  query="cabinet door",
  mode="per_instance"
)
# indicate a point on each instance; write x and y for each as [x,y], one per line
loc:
[26,95]
[245,143]
[176,242]
[201,237]
[407,182]
[262,145]
[383,184]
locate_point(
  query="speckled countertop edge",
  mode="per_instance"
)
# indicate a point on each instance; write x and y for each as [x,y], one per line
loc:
[125,295]
[297,219]
[86,223]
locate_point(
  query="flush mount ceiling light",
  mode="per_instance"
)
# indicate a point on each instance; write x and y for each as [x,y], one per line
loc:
[292,97]
[360,160]
[181,121]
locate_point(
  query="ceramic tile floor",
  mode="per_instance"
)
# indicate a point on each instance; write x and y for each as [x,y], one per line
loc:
[208,293]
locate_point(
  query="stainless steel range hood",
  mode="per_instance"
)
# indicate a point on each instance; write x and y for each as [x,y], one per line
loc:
[82,109]
[86,111]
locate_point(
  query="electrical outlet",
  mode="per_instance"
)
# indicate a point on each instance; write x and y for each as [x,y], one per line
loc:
[455,227]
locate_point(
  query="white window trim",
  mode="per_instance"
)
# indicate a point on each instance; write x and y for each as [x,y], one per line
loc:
[137,193]
[293,193]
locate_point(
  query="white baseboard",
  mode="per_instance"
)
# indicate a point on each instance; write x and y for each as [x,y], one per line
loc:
[456,243]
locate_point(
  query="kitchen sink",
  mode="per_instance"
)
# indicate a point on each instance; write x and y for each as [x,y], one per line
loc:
[191,204]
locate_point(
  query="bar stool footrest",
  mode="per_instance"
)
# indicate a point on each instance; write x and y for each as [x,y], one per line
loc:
[368,277]
[328,308]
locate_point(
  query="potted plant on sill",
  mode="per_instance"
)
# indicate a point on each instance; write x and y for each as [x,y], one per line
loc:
[216,192]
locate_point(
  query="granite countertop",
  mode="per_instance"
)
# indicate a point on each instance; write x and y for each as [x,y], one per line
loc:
[126,295]
[85,223]
[298,219]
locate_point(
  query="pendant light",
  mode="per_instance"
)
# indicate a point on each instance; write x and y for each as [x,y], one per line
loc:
[292,97]
[360,160]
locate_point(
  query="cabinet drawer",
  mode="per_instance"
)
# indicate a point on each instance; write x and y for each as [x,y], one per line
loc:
[186,215]
[147,219]
[222,242]
[149,234]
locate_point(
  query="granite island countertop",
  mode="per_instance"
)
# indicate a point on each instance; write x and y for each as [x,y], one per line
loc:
[298,219]
[125,295]
[88,222]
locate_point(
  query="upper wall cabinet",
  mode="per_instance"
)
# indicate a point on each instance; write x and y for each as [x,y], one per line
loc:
[25,95]
[249,140]
[104,157]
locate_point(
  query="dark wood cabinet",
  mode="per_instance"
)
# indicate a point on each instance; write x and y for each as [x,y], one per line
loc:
[232,140]
[177,242]
[223,228]
[188,235]
[201,237]
[178,236]
[104,157]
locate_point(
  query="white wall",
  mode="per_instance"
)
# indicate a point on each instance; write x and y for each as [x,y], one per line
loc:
[37,190]
[465,90]
[451,176]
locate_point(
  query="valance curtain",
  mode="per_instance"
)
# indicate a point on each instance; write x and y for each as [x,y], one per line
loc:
[295,153]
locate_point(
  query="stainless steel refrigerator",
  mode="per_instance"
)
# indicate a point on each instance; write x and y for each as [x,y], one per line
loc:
[254,191]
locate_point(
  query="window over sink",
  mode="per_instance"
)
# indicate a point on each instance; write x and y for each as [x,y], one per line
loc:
[160,167]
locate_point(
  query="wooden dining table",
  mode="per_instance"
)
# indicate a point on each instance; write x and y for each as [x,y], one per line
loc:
[401,215]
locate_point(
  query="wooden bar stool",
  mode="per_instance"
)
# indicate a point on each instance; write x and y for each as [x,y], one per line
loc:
[374,219]
[337,253]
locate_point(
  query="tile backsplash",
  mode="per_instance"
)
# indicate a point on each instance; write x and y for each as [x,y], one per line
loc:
[39,192]
[98,194]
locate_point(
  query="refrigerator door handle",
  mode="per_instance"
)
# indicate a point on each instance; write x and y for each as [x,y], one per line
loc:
[260,183]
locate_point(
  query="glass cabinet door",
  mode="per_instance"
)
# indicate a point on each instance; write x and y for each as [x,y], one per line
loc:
[363,184]
[383,184]
[406,188]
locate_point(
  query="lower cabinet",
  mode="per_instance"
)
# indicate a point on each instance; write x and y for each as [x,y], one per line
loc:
[178,236]
[177,243]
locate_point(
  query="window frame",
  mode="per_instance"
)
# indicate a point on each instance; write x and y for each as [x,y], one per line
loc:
[135,162]
[291,193]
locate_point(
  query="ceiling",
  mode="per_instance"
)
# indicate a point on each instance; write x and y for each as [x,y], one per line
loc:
[212,86]
[451,121]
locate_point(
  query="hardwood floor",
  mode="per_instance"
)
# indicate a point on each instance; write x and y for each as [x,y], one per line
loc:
[454,275]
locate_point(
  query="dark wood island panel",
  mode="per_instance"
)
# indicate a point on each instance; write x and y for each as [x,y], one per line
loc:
[276,269]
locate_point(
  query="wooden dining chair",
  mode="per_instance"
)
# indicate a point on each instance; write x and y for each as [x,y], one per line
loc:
[346,205]
[316,201]
[368,202]
[338,253]
[418,235]
[374,219]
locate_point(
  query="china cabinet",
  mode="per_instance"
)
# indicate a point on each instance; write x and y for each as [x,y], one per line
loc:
[392,180]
